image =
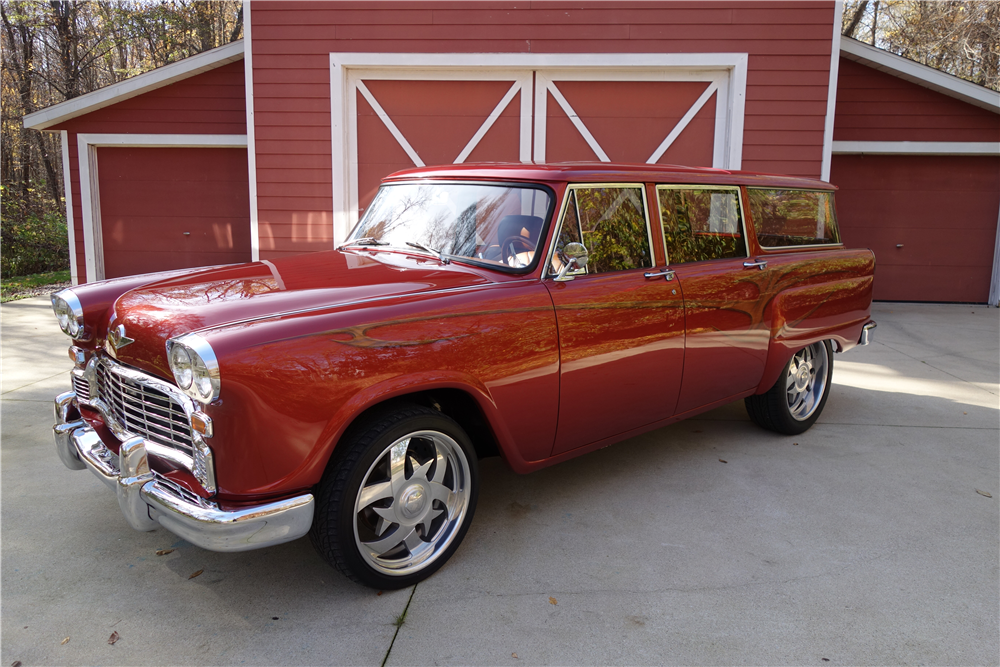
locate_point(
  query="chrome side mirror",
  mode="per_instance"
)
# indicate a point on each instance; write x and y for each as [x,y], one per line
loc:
[576,257]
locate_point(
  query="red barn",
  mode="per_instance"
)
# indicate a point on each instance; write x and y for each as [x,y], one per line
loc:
[272,146]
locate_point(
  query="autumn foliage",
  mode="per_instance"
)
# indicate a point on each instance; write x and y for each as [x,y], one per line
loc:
[57,50]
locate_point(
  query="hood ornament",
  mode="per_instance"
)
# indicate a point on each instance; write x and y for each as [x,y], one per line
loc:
[117,338]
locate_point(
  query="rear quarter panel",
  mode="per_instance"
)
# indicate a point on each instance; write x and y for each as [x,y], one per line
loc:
[816,294]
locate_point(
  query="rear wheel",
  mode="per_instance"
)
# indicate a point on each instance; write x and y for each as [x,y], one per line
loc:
[398,502]
[796,400]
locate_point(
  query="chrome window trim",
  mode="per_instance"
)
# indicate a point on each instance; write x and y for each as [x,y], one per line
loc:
[572,187]
[795,247]
[694,186]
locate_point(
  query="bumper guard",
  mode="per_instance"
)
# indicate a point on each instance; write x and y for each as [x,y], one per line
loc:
[147,503]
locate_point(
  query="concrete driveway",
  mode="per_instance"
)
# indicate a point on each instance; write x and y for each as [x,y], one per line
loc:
[862,541]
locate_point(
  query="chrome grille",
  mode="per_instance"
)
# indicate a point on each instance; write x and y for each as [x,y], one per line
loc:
[180,492]
[81,387]
[144,411]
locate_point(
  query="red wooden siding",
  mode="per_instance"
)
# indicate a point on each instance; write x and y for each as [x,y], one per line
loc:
[875,106]
[210,103]
[199,217]
[943,209]
[437,118]
[788,42]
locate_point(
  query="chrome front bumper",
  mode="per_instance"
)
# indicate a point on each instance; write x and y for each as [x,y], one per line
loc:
[149,502]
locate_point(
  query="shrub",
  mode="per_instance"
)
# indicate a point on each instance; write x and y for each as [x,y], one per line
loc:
[34,239]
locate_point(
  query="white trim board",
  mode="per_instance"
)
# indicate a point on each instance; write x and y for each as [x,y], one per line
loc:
[922,75]
[917,147]
[137,85]
[726,74]
[68,191]
[251,133]
[90,196]
[831,93]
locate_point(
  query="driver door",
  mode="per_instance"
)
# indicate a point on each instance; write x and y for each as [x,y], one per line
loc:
[620,321]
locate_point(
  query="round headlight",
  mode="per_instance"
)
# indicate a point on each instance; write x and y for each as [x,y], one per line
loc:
[194,366]
[180,364]
[69,312]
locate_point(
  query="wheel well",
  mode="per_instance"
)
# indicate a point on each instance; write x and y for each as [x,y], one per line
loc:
[455,403]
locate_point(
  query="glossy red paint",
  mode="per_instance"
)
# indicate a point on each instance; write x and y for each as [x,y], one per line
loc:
[307,344]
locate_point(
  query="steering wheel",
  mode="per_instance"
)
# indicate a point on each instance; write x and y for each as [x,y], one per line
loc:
[509,250]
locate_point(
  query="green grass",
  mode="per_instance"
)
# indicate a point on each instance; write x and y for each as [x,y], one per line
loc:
[21,287]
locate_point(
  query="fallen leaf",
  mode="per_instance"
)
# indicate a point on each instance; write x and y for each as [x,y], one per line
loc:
[64,641]
[195,574]
[552,601]
[16,663]
[723,461]
[514,655]
[984,493]
[114,637]
[164,552]
[965,413]
[379,593]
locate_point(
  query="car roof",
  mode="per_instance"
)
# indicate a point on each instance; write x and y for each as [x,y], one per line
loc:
[606,172]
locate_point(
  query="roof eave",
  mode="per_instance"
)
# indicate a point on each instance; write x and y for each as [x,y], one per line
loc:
[137,85]
[922,75]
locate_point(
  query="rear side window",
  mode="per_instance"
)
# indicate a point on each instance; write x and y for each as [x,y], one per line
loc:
[611,222]
[701,223]
[785,218]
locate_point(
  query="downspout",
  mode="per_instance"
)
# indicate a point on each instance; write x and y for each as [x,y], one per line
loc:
[994,299]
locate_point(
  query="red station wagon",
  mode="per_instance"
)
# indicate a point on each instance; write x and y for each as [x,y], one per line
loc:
[538,312]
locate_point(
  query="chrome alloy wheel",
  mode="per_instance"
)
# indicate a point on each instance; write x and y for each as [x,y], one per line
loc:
[412,502]
[806,380]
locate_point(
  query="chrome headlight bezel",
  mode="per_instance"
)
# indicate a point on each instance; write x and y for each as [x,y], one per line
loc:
[205,379]
[69,304]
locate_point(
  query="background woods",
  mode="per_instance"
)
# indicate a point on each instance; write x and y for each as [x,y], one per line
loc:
[960,38]
[55,51]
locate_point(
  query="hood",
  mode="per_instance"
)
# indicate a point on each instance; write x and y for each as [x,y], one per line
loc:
[218,297]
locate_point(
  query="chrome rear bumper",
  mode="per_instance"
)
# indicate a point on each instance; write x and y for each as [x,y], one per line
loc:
[149,502]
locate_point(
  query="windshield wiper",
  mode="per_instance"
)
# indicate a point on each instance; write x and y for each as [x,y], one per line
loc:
[366,240]
[433,251]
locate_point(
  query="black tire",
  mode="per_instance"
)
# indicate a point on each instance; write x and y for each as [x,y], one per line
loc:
[799,395]
[421,481]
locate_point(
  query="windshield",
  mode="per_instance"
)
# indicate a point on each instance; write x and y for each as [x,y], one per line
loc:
[494,224]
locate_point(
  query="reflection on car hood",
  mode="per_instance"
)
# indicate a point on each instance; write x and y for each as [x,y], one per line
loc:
[219,297]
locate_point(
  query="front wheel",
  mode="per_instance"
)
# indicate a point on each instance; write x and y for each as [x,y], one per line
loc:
[796,400]
[397,504]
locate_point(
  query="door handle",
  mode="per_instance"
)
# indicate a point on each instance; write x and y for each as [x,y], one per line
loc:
[666,273]
[759,263]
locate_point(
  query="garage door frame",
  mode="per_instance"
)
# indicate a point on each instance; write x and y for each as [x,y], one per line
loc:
[90,196]
[725,71]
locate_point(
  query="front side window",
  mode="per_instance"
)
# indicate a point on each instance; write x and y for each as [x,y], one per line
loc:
[499,225]
[701,223]
[610,221]
[793,217]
